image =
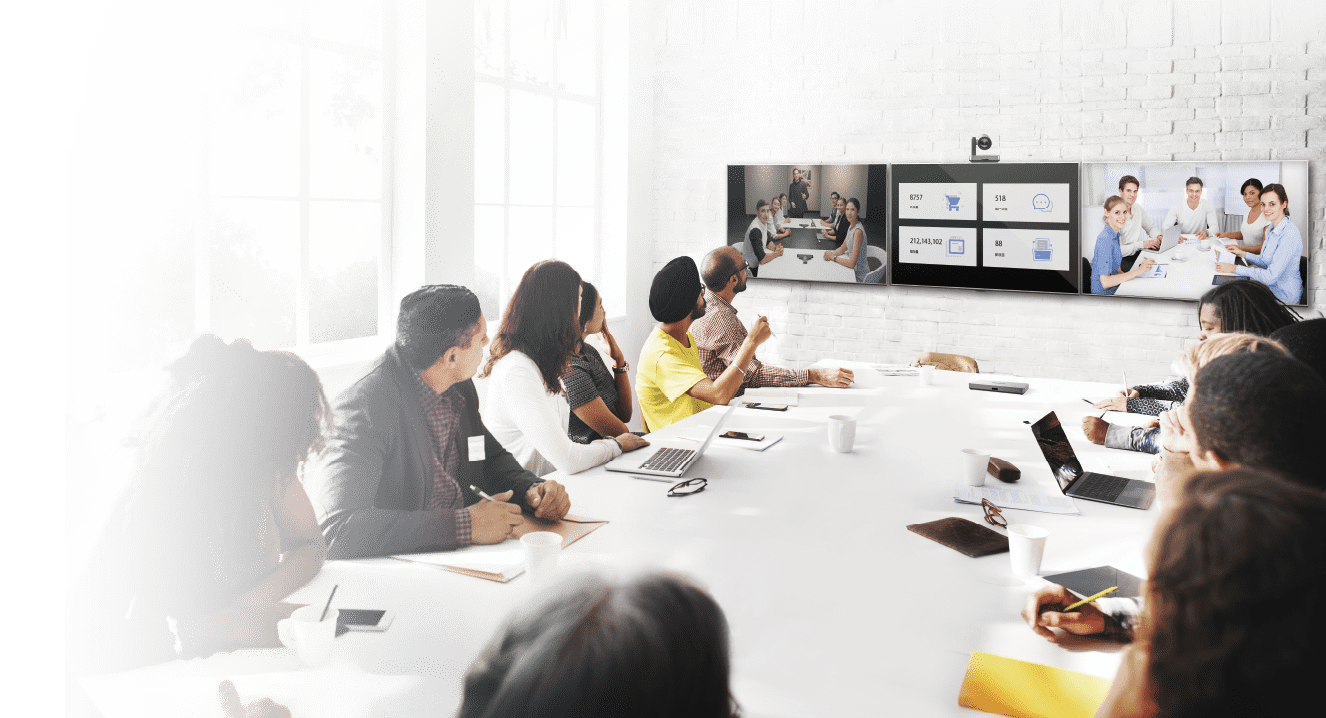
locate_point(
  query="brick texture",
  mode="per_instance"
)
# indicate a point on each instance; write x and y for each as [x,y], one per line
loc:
[867,82]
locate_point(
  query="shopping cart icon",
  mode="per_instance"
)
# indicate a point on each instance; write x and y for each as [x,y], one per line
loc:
[1042,250]
[956,246]
[953,201]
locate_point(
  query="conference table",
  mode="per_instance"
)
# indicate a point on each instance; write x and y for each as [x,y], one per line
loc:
[1188,279]
[835,608]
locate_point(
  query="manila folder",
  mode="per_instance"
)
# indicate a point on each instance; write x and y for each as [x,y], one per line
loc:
[995,684]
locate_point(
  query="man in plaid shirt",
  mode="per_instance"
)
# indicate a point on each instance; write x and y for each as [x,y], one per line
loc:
[718,334]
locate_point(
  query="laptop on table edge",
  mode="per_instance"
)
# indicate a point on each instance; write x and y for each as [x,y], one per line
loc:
[1079,484]
[680,460]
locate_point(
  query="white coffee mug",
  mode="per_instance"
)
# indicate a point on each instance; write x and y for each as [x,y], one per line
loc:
[542,553]
[925,375]
[975,465]
[1026,547]
[842,433]
[1205,244]
[1179,254]
[308,637]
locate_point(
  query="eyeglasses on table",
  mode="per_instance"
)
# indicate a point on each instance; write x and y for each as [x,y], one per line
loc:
[993,515]
[688,487]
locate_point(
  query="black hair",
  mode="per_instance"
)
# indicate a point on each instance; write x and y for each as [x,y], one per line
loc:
[719,266]
[1248,306]
[1260,410]
[652,646]
[761,204]
[433,319]
[1251,181]
[857,203]
[589,301]
[1194,180]
[1126,180]
[1306,340]
[834,195]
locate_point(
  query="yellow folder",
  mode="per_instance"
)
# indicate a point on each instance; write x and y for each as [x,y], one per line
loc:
[995,684]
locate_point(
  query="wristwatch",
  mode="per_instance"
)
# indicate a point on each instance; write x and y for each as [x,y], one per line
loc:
[621,369]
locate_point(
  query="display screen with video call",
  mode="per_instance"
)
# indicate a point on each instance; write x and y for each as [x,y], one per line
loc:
[986,226]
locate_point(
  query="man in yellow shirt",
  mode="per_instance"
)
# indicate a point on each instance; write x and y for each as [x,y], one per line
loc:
[670,383]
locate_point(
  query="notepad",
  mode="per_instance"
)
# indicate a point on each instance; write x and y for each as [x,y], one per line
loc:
[781,395]
[1224,257]
[1008,687]
[1015,498]
[504,561]
[720,440]
[1157,271]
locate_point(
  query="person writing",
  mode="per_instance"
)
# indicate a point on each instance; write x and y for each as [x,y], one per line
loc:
[1139,232]
[757,236]
[526,408]
[1276,265]
[671,384]
[1108,255]
[408,443]
[1236,585]
[600,400]
[214,529]
[854,243]
[1195,215]
[720,335]
[1253,231]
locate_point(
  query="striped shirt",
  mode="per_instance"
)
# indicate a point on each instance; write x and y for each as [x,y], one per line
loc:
[442,414]
[719,334]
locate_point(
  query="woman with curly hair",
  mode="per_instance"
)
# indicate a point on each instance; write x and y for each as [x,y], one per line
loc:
[215,528]
[526,407]
[1237,587]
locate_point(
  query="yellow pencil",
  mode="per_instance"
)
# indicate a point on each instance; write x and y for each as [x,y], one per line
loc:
[1089,599]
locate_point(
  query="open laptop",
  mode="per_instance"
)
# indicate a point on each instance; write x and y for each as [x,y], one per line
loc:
[666,460]
[1170,239]
[1079,484]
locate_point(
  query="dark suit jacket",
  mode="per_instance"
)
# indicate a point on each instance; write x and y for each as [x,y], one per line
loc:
[797,195]
[370,485]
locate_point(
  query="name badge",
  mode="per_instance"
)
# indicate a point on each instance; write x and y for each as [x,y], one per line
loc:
[476,448]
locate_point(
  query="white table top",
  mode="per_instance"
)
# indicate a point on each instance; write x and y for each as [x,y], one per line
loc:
[1185,280]
[835,607]
[790,266]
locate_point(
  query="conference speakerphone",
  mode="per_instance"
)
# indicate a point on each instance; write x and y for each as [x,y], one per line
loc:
[1003,387]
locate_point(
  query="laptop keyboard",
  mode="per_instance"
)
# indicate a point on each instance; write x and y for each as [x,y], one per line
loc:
[667,459]
[1100,487]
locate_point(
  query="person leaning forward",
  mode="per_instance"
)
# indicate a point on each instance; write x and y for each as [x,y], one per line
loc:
[408,442]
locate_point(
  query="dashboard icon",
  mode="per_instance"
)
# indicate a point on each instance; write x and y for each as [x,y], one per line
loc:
[953,201]
[957,246]
[1042,202]
[1042,250]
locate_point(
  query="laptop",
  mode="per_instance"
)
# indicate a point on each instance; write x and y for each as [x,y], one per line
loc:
[1079,484]
[666,460]
[1170,239]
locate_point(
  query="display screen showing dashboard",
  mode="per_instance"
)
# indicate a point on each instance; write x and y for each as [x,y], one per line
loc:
[1174,230]
[986,226]
[810,222]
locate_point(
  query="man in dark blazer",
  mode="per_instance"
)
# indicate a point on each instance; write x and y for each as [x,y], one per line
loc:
[408,442]
[800,192]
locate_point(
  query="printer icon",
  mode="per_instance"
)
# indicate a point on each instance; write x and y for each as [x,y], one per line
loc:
[1042,250]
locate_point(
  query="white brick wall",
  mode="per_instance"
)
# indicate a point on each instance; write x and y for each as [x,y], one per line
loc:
[801,80]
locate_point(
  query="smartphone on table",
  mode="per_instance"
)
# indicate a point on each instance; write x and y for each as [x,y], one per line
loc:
[742,435]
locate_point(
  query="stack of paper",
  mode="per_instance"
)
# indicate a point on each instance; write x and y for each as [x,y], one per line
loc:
[895,370]
[1015,498]
[1157,271]
[504,561]
[1225,257]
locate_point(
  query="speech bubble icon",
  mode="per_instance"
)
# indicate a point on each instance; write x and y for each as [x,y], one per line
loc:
[1042,202]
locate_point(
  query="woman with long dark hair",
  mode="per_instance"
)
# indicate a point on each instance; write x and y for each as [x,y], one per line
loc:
[526,407]
[1275,263]
[1236,590]
[215,528]
[600,400]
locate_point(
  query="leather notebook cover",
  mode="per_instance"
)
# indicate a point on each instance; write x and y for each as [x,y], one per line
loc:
[1003,470]
[963,536]
[1007,687]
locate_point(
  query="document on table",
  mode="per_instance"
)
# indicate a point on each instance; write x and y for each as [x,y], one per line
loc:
[1225,257]
[1015,498]
[504,561]
[1157,271]
[895,370]
[761,445]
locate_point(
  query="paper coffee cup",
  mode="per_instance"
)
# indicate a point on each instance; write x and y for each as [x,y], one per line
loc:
[1026,547]
[975,466]
[542,551]
[925,375]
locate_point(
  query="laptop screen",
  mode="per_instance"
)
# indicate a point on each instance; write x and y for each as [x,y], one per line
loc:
[1058,452]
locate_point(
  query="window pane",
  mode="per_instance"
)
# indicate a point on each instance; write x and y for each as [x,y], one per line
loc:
[575,241]
[489,253]
[529,240]
[489,36]
[577,49]
[280,15]
[345,123]
[531,148]
[254,253]
[344,242]
[576,133]
[489,141]
[533,31]
[253,118]
[358,22]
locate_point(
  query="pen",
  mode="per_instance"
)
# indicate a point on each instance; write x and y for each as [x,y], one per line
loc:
[1088,401]
[1089,599]
[481,494]
[651,478]
[329,598]
[1102,414]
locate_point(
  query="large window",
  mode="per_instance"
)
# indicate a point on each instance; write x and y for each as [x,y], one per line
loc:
[292,241]
[538,152]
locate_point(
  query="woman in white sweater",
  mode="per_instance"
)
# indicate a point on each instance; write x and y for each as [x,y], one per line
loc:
[526,407]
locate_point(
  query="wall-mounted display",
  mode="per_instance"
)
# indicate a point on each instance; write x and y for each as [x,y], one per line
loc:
[986,226]
[1172,230]
[814,222]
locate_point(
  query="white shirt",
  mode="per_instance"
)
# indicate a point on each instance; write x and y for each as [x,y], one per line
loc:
[1192,221]
[1138,229]
[532,424]
[1254,233]
[779,218]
